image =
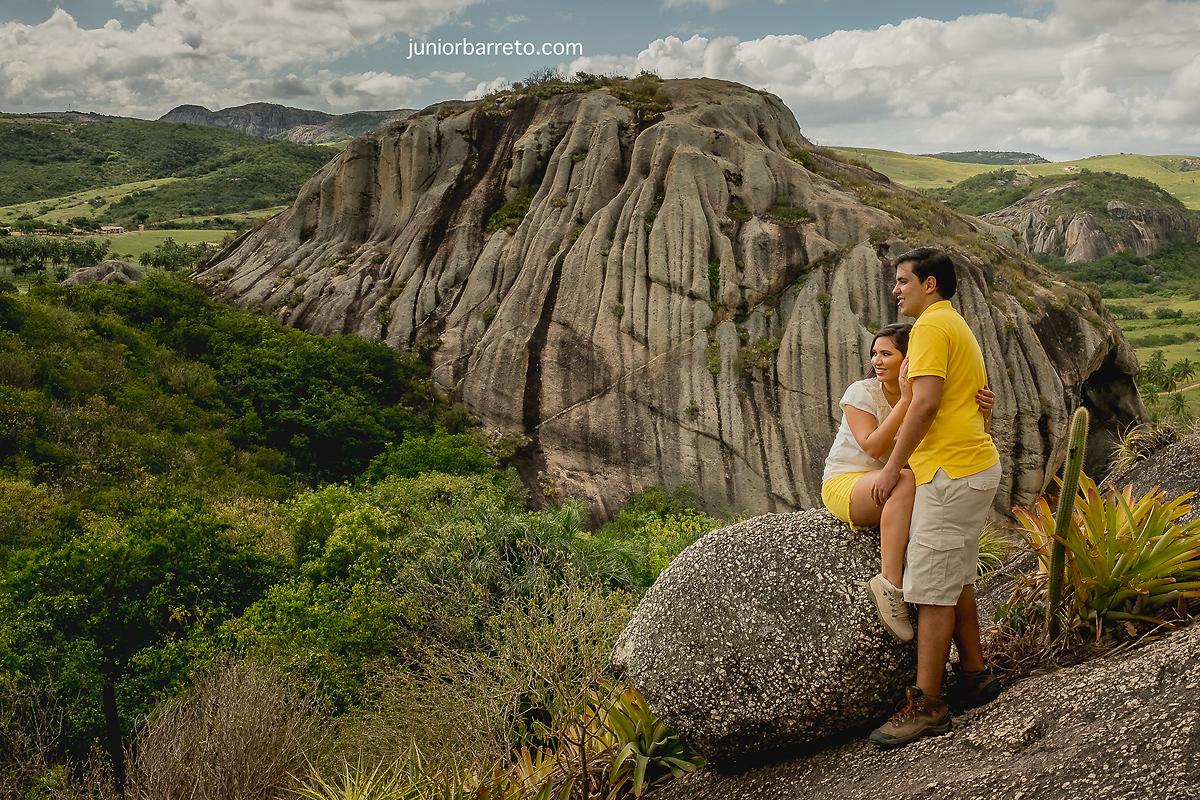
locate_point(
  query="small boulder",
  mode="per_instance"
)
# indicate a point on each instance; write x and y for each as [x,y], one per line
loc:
[111,271]
[760,638]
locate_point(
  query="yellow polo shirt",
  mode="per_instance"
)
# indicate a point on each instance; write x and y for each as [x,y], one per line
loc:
[942,344]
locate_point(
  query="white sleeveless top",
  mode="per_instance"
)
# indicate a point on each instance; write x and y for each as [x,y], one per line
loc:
[846,455]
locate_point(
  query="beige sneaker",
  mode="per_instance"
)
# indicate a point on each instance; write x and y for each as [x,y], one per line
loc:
[893,611]
[918,715]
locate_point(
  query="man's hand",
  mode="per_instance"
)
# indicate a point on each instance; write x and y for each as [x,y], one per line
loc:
[885,482]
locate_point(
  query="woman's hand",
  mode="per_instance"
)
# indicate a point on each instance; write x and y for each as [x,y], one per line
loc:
[986,398]
[905,384]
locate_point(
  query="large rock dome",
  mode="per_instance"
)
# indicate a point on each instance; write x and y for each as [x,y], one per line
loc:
[661,284]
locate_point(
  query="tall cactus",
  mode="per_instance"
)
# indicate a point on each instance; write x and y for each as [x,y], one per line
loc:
[1076,444]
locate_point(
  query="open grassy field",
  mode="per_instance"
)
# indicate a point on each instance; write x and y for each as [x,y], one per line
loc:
[1137,330]
[924,172]
[80,204]
[128,246]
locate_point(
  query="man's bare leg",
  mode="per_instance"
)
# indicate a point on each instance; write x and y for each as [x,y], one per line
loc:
[935,629]
[966,631]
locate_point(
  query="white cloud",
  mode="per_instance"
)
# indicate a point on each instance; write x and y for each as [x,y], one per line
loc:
[487,87]
[715,5]
[201,51]
[1063,86]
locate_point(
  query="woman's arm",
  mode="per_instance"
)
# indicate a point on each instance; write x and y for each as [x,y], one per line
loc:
[877,438]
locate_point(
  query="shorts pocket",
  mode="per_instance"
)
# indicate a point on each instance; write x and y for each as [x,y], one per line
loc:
[985,480]
[939,540]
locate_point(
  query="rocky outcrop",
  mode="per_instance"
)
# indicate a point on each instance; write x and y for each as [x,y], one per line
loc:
[110,271]
[1173,470]
[1080,236]
[344,126]
[259,119]
[780,645]
[660,296]
[1123,727]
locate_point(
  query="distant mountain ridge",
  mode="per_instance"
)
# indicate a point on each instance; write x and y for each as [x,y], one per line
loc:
[284,122]
[990,157]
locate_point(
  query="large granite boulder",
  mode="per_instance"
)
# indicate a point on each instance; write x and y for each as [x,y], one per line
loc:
[1122,726]
[1173,469]
[672,296]
[760,637]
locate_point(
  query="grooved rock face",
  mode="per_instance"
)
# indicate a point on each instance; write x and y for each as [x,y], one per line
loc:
[1080,236]
[683,301]
[779,644]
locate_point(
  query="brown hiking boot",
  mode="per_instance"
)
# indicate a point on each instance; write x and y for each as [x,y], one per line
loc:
[973,689]
[918,715]
[893,611]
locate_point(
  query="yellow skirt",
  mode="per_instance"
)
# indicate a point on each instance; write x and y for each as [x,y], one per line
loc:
[835,494]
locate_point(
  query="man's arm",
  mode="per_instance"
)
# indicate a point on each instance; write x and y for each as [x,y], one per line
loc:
[926,400]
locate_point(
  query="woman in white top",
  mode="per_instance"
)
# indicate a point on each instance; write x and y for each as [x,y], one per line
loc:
[872,410]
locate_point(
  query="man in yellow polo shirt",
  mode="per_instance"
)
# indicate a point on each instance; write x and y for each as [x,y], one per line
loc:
[945,442]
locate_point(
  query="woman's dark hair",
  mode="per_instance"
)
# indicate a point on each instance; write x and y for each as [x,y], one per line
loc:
[898,333]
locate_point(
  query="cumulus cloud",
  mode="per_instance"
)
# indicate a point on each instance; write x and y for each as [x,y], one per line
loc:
[202,51]
[484,88]
[715,5]
[1060,86]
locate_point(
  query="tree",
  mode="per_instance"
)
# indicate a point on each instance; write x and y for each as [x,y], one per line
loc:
[1183,371]
[115,616]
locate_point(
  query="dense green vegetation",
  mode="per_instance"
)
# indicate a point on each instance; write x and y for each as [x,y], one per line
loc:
[30,254]
[187,490]
[1173,269]
[222,170]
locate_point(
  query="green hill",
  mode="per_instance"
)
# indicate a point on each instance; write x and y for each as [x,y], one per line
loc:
[928,172]
[216,171]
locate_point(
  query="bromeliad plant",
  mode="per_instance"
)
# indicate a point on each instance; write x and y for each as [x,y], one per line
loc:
[650,752]
[1126,558]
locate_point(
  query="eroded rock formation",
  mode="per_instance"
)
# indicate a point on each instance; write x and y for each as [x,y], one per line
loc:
[1081,236]
[110,271]
[683,300]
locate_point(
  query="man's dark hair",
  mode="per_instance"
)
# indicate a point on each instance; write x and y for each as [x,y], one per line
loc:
[926,261]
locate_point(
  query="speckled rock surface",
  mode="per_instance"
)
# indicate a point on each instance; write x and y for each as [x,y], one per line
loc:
[1175,469]
[760,637]
[1124,726]
[1116,728]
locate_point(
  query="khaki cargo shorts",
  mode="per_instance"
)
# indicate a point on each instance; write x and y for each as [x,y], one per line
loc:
[943,541]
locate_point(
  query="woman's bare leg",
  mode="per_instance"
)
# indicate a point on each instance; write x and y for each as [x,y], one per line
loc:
[893,520]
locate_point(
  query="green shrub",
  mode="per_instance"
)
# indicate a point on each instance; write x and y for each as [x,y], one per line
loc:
[513,210]
[787,214]
[451,454]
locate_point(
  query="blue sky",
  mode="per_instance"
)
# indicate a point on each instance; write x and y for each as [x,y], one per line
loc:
[1062,78]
